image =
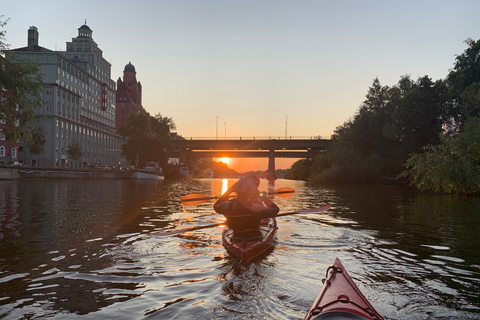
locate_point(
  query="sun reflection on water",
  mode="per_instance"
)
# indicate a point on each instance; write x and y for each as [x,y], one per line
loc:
[224,185]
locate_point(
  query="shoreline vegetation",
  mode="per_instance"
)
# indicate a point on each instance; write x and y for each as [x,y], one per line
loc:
[421,133]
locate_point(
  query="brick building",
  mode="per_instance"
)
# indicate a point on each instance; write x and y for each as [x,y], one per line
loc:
[129,95]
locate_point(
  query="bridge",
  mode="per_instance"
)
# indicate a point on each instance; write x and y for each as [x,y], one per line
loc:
[250,147]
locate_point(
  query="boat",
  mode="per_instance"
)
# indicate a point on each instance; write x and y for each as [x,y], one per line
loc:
[250,243]
[340,299]
[147,175]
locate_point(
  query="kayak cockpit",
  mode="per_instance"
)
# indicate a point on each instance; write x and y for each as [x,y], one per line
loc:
[250,243]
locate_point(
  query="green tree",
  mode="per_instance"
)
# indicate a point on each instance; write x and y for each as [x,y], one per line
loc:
[464,84]
[36,144]
[391,123]
[454,166]
[22,84]
[418,115]
[147,138]
[451,167]
[74,150]
[300,170]
[360,151]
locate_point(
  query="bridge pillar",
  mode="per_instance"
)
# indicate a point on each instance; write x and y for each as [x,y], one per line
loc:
[271,166]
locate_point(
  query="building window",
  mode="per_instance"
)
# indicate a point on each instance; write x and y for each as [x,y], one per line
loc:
[2,151]
[14,152]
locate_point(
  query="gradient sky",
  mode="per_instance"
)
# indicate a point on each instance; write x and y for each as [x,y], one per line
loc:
[259,68]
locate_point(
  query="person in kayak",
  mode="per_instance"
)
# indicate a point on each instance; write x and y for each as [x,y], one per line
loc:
[249,207]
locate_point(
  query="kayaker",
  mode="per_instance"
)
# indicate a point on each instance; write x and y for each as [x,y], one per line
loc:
[249,207]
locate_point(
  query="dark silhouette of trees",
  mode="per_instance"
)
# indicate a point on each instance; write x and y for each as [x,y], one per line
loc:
[148,138]
[454,165]
[431,128]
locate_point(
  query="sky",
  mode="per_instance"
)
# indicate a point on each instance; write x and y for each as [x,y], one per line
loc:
[258,68]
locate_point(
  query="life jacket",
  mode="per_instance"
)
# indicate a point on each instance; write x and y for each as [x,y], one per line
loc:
[240,218]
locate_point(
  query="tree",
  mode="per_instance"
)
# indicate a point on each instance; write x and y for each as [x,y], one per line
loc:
[390,124]
[300,170]
[147,138]
[74,150]
[418,114]
[451,167]
[22,84]
[36,144]
[463,83]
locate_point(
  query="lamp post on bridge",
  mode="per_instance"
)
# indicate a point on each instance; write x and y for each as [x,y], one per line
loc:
[216,136]
[225,130]
[286,122]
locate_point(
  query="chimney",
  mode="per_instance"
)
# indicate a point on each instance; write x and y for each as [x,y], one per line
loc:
[32,38]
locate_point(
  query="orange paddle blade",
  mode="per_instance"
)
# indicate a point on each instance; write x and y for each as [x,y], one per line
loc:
[284,192]
[194,199]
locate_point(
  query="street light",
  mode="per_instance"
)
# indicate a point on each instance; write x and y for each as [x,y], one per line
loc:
[225,130]
[286,122]
[216,137]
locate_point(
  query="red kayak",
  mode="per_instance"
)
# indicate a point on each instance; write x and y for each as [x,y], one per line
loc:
[340,299]
[249,243]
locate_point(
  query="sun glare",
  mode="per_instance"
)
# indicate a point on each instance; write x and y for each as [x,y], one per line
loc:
[225,160]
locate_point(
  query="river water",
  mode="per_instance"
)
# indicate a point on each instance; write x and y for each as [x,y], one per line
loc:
[85,249]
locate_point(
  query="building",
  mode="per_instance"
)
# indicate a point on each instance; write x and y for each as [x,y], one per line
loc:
[79,103]
[129,95]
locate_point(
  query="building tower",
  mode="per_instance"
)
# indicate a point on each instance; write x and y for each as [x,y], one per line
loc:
[129,95]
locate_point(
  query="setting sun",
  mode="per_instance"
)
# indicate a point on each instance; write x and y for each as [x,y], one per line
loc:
[225,160]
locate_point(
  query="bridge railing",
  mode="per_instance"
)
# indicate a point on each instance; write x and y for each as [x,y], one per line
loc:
[253,138]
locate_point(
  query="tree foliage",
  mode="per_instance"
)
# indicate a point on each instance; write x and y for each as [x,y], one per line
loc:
[147,138]
[74,150]
[454,165]
[391,123]
[451,167]
[36,144]
[428,126]
[432,128]
[300,170]
[22,84]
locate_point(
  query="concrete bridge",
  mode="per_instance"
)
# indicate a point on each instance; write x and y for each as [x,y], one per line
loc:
[255,147]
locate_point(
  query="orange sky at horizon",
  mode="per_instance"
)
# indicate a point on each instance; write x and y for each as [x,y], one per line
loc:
[255,164]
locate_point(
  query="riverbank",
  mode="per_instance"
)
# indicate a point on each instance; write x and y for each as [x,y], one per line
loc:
[14,173]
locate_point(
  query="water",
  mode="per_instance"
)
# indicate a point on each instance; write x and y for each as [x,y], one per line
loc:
[84,249]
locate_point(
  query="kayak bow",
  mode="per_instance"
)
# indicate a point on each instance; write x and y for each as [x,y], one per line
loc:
[340,299]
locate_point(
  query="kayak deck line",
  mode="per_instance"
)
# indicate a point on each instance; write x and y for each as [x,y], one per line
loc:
[339,298]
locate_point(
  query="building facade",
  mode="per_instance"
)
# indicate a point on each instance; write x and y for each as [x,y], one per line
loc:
[129,95]
[8,151]
[79,99]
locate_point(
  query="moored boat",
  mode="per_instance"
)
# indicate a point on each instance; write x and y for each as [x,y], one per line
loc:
[147,175]
[340,299]
[249,243]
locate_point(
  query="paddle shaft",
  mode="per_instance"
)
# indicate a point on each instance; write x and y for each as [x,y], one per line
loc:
[178,231]
[200,198]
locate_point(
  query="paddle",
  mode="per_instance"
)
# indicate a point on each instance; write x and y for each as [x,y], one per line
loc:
[194,199]
[178,231]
